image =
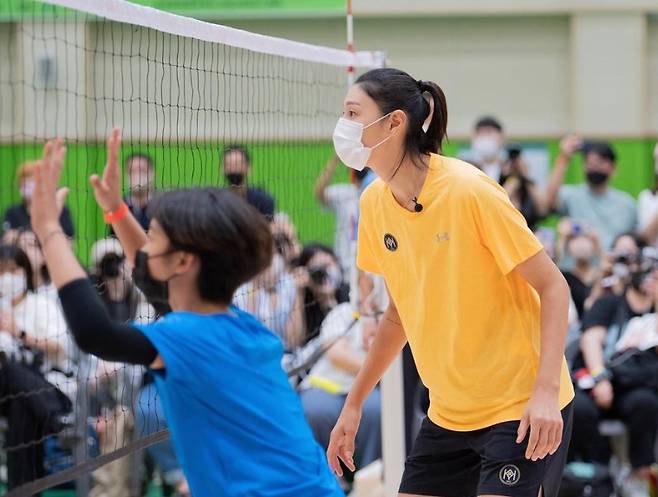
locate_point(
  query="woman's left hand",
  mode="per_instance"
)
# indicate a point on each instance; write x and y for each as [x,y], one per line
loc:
[48,200]
[543,419]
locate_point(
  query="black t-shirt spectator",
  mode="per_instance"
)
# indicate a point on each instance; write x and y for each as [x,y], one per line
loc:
[579,292]
[609,310]
[262,201]
[527,206]
[140,214]
[18,217]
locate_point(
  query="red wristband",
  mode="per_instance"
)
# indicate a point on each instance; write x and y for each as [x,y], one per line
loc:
[117,215]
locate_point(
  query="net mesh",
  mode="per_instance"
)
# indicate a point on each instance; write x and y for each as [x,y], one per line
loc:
[180,102]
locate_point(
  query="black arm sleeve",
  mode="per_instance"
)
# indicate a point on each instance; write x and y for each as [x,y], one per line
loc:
[94,331]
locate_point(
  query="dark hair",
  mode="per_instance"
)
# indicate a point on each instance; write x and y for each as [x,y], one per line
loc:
[138,155]
[393,89]
[232,239]
[238,148]
[314,248]
[601,149]
[19,257]
[488,122]
[639,241]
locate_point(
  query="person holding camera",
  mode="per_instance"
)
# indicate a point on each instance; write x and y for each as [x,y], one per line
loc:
[506,167]
[320,288]
[580,246]
[604,209]
[522,190]
[603,392]
[647,208]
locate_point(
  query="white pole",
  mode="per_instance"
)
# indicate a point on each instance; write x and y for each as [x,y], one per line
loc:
[393,445]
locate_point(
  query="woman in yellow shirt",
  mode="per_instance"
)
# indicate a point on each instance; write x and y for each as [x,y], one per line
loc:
[482,306]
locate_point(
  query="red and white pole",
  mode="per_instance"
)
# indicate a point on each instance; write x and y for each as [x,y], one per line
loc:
[350,41]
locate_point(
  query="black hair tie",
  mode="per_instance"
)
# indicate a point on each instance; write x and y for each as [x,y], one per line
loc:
[420,84]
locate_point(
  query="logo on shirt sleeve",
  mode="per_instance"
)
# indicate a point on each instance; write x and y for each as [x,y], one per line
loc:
[390,242]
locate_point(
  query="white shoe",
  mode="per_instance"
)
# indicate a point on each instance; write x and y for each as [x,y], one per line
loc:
[635,486]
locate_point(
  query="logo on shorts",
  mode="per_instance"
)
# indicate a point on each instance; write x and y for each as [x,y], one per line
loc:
[509,475]
[390,242]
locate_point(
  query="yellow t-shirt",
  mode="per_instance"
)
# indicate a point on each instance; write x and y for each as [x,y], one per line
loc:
[473,323]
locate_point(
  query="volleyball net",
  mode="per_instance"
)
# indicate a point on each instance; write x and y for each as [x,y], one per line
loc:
[199,104]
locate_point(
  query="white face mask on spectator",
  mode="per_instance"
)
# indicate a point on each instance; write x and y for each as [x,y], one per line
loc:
[348,145]
[486,148]
[27,189]
[12,285]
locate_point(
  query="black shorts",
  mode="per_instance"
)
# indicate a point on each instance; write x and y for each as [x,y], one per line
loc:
[449,463]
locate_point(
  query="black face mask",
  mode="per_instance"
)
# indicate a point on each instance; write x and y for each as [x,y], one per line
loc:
[155,291]
[596,178]
[235,179]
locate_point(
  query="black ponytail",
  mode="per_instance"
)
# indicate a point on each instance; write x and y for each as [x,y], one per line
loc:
[393,89]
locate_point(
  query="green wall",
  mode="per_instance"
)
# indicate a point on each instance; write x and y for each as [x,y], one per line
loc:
[287,171]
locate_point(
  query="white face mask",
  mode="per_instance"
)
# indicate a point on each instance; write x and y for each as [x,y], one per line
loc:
[12,285]
[27,189]
[348,144]
[486,148]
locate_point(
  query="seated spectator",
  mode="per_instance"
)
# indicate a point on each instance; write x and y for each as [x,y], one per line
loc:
[112,280]
[18,216]
[286,241]
[149,419]
[488,147]
[141,186]
[270,297]
[594,205]
[343,200]
[320,288]
[237,168]
[36,370]
[615,271]
[647,208]
[582,248]
[522,191]
[506,167]
[27,241]
[603,328]
[325,388]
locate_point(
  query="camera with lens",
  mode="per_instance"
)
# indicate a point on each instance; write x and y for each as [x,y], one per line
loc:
[318,275]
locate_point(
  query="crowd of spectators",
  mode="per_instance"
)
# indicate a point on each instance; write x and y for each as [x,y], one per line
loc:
[605,242]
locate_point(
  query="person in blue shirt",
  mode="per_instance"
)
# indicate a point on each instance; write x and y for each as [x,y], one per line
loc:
[237,426]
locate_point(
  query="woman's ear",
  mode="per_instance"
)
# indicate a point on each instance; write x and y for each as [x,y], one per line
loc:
[186,261]
[398,120]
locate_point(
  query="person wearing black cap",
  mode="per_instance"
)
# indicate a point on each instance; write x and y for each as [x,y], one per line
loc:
[594,204]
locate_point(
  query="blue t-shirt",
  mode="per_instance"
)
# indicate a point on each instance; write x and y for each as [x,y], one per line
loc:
[237,425]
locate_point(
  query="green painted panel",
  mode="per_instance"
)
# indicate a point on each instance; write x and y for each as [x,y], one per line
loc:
[288,171]
[207,9]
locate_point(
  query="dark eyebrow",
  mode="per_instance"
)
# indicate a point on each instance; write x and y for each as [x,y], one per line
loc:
[352,103]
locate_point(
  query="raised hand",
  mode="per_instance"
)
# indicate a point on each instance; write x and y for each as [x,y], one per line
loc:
[48,199]
[107,189]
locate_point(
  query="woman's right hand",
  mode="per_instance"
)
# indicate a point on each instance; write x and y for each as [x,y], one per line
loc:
[107,189]
[341,442]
